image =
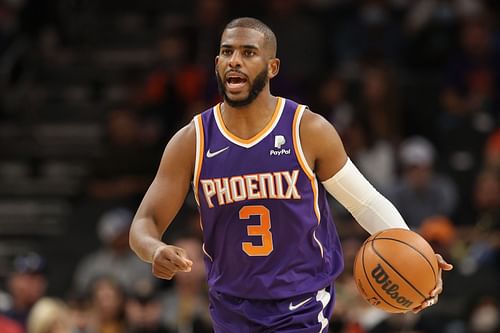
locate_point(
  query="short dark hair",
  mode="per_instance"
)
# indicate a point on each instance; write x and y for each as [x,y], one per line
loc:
[255,24]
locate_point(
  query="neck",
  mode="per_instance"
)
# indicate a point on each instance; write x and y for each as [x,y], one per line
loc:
[247,121]
[264,102]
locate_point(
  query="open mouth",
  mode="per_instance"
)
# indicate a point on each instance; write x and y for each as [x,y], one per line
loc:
[235,81]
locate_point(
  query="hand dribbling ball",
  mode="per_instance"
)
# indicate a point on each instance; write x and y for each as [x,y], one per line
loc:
[395,270]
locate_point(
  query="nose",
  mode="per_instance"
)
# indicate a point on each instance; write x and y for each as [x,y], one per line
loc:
[235,60]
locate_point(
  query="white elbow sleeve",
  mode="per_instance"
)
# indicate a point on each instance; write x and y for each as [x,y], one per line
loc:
[370,208]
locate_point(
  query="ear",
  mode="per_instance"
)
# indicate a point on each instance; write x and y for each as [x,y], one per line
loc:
[273,67]
[216,62]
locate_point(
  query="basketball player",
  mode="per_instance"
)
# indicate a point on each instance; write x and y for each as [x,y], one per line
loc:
[260,166]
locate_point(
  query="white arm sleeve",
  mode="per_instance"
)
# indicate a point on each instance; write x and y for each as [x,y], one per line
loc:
[370,208]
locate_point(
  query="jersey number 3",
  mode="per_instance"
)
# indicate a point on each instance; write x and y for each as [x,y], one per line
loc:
[263,229]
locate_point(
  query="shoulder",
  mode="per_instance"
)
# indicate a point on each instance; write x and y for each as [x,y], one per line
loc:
[321,144]
[185,138]
[312,122]
[179,153]
[316,131]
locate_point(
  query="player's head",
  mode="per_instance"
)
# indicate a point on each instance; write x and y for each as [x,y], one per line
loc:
[246,61]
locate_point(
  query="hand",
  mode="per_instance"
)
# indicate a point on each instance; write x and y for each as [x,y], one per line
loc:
[433,299]
[168,260]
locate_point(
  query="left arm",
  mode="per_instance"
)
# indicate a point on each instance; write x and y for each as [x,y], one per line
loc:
[326,155]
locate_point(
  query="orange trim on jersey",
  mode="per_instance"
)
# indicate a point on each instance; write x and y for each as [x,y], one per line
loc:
[296,140]
[303,162]
[200,144]
[314,186]
[257,136]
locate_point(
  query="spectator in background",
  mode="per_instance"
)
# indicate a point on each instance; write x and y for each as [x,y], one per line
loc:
[49,315]
[482,240]
[144,310]
[369,30]
[487,194]
[80,312]
[333,103]
[487,202]
[176,85]
[373,156]
[485,316]
[470,100]
[441,234]
[8,24]
[115,176]
[114,258]
[210,20]
[472,83]
[26,284]
[108,301]
[186,306]
[371,132]
[492,151]
[409,323]
[294,28]
[421,192]
[379,103]
[352,314]
[9,326]
[431,27]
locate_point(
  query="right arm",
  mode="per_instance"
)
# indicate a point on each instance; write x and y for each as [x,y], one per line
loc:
[162,202]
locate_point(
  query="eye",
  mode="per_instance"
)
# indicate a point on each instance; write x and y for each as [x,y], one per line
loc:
[226,52]
[249,53]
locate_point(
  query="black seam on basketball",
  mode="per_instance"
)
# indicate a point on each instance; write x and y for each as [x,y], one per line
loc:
[398,240]
[369,282]
[397,272]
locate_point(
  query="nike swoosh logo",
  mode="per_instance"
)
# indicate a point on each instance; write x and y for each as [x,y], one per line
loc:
[215,153]
[292,307]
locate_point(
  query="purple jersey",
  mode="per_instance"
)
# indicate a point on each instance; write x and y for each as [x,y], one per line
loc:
[267,227]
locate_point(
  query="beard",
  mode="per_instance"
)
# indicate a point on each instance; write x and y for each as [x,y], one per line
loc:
[256,87]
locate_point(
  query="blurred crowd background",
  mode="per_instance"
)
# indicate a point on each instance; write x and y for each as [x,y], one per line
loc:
[91,91]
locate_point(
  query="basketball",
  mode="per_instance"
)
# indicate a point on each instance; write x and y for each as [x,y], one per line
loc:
[395,270]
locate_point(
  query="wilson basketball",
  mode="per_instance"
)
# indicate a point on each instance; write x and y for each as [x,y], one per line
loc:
[395,270]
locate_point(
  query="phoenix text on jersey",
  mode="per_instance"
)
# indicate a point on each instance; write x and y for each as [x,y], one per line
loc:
[250,187]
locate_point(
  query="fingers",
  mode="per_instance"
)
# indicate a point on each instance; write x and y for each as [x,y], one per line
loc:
[172,255]
[439,285]
[162,272]
[443,264]
[426,304]
[168,260]
[179,259]
[434,294]
[431,301]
